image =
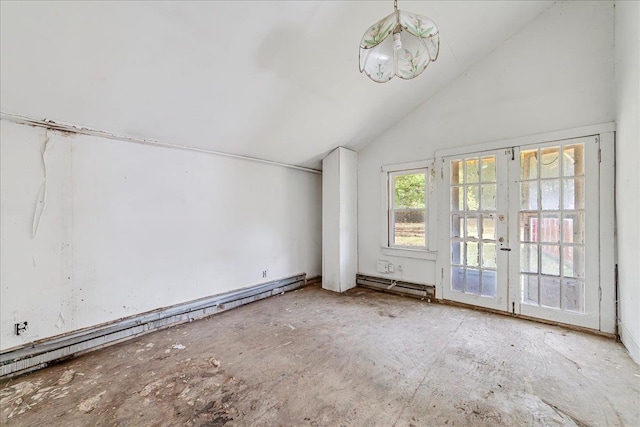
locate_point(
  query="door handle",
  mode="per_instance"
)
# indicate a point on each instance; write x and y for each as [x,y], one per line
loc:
[506,249]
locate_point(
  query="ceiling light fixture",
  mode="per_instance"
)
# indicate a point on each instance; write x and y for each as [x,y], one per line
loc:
[414,44]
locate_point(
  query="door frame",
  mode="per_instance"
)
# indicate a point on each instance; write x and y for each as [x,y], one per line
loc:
[606,131]
[500,301]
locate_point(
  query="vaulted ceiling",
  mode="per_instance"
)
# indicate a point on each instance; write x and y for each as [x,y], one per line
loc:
[276,80]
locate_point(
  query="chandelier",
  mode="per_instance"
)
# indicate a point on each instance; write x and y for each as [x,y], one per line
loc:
[401,44]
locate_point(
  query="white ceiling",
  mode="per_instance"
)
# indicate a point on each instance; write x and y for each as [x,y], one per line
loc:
[276,80]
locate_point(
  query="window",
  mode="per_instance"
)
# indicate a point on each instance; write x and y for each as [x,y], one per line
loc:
[408,209]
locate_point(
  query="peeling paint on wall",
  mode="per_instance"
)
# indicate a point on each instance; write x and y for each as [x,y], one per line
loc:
[107,242]
[41,200]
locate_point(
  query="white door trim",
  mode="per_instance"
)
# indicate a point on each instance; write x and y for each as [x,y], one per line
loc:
[539,138]
[608,257]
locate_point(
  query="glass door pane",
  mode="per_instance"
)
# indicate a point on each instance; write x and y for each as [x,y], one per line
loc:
[473,235]
[550,233]
[555,267]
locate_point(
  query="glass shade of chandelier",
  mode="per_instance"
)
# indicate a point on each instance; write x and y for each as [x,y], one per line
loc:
[402,44]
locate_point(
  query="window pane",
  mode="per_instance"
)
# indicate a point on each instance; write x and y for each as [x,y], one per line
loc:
[573,197]
[529,285]
[473,197]
[457,225]
[488,255]
[573,295]
[529,164]
[573,261]
[488,202]
[473,281]
[529,196]
[457,172]
[550,162]
[488,172]
[528,258]
[472,254]
[550,291]
[409,228]
[457,279]
[472,227]
[573,227]
[550,194]
[409,191]
[488,227]
[550,227]
[573,160]
[550,259]
[457,198]
[489,283]
[456,252]
[472,170]
[529,229]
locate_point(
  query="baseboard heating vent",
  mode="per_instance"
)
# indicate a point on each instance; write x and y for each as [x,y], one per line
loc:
[415,290]
[37,355]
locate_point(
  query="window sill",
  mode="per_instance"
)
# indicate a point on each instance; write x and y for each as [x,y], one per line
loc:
[410,253]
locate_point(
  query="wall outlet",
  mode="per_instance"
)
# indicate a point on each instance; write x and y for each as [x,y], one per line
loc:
[390,268]
[264,273]
[383,266]
[21,328]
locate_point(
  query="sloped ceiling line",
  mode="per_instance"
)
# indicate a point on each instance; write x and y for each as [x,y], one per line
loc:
[268,80]
[71,128]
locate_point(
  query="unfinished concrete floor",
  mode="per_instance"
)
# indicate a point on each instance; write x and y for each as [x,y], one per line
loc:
[311,357]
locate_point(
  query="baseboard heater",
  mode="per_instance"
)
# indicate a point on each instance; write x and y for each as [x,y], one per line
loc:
[415,290]
[38,354]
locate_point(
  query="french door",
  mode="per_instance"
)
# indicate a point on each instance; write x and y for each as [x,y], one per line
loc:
[477,229]
[523,230]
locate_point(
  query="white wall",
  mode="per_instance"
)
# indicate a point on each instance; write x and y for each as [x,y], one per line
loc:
[557,73]
[129,228]
[627,101]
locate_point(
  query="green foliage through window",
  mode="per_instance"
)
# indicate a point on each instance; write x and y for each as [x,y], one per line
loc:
[409,191]
[408,213]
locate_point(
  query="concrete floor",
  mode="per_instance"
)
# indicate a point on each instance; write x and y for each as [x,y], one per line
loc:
[311,357]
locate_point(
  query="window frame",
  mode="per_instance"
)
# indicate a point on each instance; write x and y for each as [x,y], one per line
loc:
[388,172]
[392,209]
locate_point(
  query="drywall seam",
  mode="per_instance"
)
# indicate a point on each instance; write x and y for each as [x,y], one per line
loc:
[41,200]
[64,127]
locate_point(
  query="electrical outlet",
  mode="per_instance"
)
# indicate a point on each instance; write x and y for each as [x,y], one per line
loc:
[264,273]
[382,266]
[21,328]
